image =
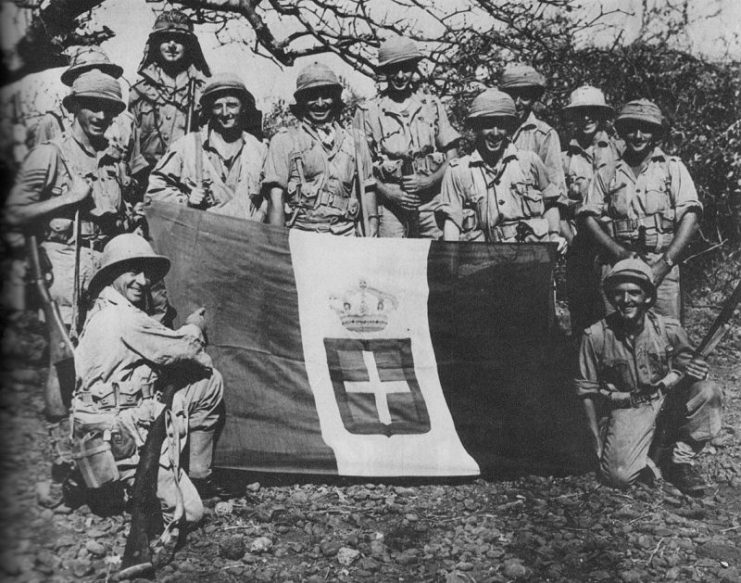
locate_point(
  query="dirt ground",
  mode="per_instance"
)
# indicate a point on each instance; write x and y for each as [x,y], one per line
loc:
[533,528]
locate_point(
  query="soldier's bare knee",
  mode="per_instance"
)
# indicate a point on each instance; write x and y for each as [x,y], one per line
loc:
[617,476]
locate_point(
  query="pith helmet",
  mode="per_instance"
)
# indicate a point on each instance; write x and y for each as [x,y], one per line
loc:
[88,59]
[587,96]
[641,110]
[492,103]
[94,84]
[634,271]
[227,82]
[126,249]
[521,76]
[398,50]
[316,75]
[172,21]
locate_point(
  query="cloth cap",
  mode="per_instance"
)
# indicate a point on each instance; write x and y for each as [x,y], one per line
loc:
[588,96]
[172,21]
[316,75]
[223,82]
[87,59]
[518,76]
[125,249]
[95,84]
[631,270]
[398,50]
[641,110]
[492,103]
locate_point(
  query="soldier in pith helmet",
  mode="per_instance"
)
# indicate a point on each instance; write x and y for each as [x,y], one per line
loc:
[311,170]
[411,141]
[499,193]
[646,204]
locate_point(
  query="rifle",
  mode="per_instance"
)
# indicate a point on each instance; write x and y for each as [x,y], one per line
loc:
[137,558]
[709,343]
[365,204]
[76,327]
[60,383]
[190,120]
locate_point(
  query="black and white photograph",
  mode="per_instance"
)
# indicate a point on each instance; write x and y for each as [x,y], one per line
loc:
[306,291]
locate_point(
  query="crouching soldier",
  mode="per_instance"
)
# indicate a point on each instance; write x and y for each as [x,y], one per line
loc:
[498,193]
[311,171]
[121,353]
[622,362]
[219,167]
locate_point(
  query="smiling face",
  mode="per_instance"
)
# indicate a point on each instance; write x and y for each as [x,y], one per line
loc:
[226,110]
[319,104]
[400,76]
[492,135]
[172,48]
[133,284]
[588,121]
[630,301]
[639,137]
[94,116]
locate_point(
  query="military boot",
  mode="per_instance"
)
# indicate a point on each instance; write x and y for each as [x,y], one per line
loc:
[686,478]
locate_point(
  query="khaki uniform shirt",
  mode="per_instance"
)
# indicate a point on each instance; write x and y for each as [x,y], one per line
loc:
[417,130]
[489,203]
[234,184]
[48,171]
[579,165]
[607,355]
[534,135]
[663,187]
[122,136]
[329,169]
[121,344]
[160,105]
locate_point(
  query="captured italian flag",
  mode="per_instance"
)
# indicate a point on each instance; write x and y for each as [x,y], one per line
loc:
[375,357]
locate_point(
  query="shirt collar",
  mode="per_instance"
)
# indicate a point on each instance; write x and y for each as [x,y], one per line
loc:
[509,153]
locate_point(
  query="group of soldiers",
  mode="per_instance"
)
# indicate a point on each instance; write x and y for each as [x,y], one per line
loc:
[620,209]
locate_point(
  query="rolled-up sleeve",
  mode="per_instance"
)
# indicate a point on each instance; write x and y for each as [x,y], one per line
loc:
[166,180]
[587,381]
[684,191]
[550,153]
[594,199]
[452,197]
[276,170]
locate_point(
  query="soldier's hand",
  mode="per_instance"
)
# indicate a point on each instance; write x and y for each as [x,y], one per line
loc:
[623,254]
[78,191]
[198,318]
[414,184]
[197,196]
[698,369]
[561,241]
[404,199]
[659,269]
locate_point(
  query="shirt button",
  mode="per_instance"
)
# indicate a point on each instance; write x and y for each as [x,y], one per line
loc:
[168,116]
[501,202]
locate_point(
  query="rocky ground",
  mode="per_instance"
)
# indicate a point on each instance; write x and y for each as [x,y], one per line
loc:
[533,528]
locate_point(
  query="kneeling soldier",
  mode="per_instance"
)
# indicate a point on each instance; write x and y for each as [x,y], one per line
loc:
[121,353]
[498,193]
[622,361]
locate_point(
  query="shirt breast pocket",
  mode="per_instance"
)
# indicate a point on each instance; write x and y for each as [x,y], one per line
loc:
[531,199]
[617,372]
[656,197]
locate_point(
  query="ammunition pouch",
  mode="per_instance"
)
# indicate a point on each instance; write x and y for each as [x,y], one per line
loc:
[652,234]
[116,395]
[523,231]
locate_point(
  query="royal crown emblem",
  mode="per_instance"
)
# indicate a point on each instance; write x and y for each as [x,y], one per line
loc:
[363,308]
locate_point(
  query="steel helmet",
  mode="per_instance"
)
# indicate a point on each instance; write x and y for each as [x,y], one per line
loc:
[172,21]
[492,103]
[588,97]
[88,59]
[631,270]
[316,75]
[398,50]
[95,84]
[641,110]
[128,248]
[227,82]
